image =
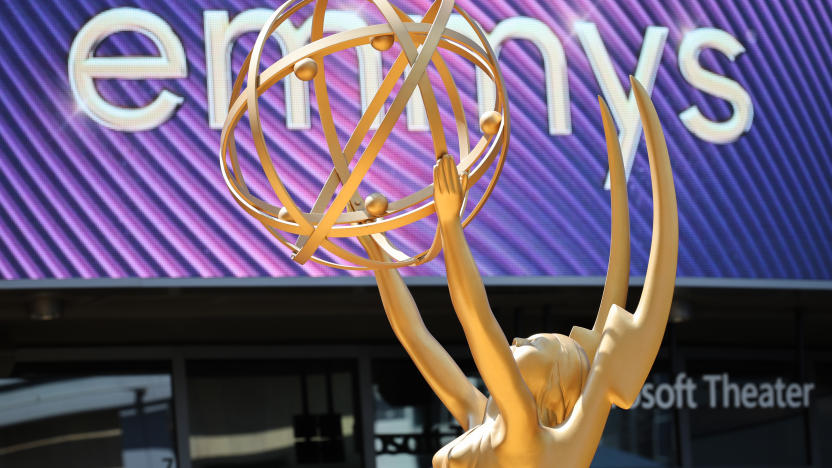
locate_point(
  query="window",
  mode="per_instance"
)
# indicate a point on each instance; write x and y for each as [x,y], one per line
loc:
[644,435]
[273,413]
[86,417]
[747,413]
[822,404]
[411,424]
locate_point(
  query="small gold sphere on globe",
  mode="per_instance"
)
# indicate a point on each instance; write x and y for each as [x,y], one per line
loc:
[490,122]
[383,43]
[284,215]
[376,204]
[306,69]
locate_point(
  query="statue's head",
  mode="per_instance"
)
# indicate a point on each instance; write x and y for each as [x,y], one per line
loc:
[555,368]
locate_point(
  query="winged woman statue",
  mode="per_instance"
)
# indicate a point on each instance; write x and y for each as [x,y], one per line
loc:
[550,394]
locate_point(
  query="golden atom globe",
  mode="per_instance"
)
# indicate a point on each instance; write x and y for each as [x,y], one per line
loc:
[340,210]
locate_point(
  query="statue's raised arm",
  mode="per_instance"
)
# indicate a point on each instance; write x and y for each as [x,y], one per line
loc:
[488,344]
[446,379]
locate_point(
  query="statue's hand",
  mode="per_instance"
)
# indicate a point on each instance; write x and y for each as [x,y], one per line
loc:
[448,190]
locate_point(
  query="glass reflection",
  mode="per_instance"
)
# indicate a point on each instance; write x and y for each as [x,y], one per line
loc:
[822,406]
[87,422]
[411,424]
[643,436]
[763,435]
[272,413]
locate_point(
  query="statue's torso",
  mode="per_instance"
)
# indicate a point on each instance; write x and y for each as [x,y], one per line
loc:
[471,449]
[479,448]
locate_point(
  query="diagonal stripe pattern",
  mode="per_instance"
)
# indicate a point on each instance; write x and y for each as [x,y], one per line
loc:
[79,200]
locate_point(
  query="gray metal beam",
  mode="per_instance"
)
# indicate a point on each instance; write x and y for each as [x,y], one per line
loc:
[338,281]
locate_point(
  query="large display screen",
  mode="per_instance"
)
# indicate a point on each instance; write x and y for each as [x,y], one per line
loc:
[113,110]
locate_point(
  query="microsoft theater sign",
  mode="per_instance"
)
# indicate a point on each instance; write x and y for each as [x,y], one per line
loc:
[722,392]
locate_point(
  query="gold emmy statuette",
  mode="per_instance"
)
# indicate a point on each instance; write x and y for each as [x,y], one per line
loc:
[550,394]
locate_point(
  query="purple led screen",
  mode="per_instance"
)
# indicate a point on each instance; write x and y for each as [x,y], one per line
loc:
[743,89]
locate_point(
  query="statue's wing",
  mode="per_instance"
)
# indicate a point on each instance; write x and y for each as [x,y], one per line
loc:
[618,269]
[625,345]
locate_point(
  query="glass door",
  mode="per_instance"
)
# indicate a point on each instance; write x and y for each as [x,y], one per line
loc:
[256,414]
